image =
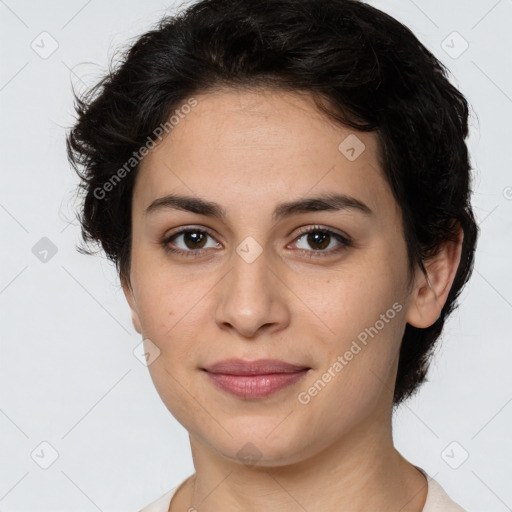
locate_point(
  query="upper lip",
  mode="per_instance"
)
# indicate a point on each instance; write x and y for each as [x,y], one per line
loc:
[257,367]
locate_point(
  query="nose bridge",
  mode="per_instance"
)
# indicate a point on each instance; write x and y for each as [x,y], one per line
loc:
[251,296]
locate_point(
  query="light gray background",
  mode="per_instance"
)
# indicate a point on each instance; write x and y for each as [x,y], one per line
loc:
[68,374]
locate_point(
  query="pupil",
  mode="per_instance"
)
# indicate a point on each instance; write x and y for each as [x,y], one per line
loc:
[318,237]
[195,237]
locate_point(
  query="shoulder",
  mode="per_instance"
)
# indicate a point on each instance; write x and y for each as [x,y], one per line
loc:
[437,499]
[161,504]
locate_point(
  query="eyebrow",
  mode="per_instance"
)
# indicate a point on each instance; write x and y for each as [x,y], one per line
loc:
[324,202]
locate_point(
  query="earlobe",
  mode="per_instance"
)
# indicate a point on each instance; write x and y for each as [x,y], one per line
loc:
[431,292]
[136,322]
[128,293]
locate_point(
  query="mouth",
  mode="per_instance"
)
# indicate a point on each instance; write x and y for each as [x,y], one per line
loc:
[254,379]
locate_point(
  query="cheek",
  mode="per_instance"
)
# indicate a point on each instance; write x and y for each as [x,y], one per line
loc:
[163,294]
[171,307]
[362,318]
[176,393]
[350,303]
[357,370]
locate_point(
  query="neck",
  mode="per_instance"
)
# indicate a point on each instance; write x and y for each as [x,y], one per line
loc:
[361,471]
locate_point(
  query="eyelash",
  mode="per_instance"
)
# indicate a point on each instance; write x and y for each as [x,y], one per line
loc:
[344,242]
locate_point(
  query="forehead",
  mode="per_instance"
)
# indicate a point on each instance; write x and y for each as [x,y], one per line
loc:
[262,119]
[256,146]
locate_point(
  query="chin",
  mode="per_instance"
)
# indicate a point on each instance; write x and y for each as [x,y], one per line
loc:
[256,448]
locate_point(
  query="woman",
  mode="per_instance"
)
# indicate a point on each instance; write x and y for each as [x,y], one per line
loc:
[284,186]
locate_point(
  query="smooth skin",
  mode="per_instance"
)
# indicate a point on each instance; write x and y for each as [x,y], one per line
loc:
[299,301]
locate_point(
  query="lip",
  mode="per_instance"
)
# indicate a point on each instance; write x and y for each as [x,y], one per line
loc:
[257,367]
[254,379]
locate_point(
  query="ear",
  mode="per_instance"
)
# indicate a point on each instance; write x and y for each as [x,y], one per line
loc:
[128,293]
[430,293]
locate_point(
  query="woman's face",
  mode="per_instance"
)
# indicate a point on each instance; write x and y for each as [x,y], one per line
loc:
[252,285]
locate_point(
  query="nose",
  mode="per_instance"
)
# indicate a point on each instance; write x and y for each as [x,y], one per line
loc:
[252,298]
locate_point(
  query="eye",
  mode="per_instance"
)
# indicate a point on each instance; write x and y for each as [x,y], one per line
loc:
[320,239]
[193,242]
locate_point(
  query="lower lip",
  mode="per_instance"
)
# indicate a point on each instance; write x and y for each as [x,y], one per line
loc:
[255,386]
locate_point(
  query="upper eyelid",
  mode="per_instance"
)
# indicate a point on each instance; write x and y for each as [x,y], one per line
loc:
[181,231]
